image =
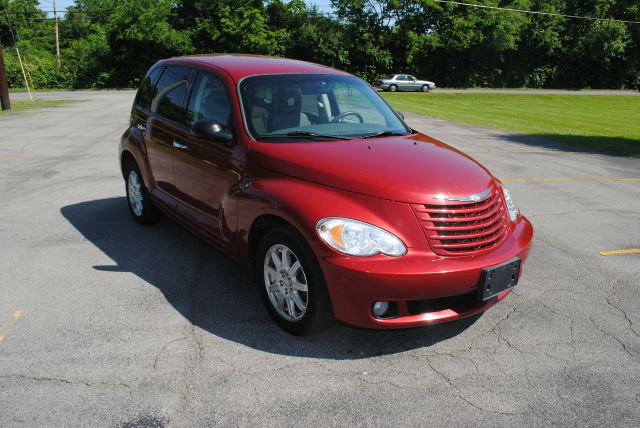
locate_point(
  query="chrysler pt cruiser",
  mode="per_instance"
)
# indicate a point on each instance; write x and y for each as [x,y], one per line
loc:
[304,174]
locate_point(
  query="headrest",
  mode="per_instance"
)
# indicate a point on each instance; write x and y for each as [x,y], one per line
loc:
[289,101]
[259,92]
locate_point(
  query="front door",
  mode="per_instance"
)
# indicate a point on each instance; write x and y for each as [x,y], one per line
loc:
[204,170]
[413,85]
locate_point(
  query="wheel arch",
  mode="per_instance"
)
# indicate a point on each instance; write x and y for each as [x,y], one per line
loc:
[259,228]
[133,149]
[125,158]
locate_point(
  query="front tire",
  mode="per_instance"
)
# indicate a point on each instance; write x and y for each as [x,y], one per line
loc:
[291,283]
[425,88]
[393,88]
[140,204]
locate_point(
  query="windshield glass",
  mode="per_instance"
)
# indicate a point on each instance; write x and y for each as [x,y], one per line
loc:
[309,107]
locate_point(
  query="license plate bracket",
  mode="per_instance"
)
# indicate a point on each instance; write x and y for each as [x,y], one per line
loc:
[496,279]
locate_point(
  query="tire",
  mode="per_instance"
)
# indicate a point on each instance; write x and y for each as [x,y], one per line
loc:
[141,206]
[393,88]
[425,88]
[287,297]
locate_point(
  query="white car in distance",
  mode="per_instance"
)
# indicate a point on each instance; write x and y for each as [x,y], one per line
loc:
[404,82]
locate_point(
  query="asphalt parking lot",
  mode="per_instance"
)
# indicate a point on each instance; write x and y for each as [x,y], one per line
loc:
[106,323]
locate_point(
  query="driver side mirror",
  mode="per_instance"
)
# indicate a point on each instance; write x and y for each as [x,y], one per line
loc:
[212,130]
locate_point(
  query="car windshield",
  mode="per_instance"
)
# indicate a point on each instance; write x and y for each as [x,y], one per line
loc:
[312,107]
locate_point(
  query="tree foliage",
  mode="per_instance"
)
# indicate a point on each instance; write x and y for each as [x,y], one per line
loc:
[111,43]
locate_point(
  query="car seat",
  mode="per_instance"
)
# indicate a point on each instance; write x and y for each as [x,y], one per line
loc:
[288,111]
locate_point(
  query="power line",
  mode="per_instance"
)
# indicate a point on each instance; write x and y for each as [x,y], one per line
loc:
[6,12]
[535,12]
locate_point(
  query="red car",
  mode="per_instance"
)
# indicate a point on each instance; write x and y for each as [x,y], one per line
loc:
[306,175]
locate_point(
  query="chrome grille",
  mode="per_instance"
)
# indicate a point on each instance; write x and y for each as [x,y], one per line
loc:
[463,228]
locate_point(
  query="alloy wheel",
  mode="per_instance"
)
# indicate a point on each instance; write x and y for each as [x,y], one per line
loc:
[135,193]
[286,282]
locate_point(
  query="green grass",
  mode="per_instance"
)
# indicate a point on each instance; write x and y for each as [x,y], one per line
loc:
[600,122]
[22,105]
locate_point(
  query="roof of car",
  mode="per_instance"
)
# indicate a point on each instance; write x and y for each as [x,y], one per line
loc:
[240,65]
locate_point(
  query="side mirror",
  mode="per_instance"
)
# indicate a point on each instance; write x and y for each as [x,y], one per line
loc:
[211,130]
[399,113]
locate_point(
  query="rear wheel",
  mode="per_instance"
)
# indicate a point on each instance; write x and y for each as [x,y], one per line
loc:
[393,88]
[140,204]
[291,283]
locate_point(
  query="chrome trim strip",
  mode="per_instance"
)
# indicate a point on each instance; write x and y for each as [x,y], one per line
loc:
[470,198]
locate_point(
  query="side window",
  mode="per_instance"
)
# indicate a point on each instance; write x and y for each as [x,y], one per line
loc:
[147,89]
[171,91]
[209,100]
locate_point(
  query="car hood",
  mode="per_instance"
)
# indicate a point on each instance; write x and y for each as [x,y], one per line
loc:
[411,168]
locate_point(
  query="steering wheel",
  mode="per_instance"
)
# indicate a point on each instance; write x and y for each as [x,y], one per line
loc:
[344,114]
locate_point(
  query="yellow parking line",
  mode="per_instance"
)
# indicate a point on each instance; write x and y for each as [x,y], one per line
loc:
[616,252]
[4,330]
[522,152]
[565,179]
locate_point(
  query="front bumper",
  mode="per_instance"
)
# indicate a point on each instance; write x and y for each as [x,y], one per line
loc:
[414,279]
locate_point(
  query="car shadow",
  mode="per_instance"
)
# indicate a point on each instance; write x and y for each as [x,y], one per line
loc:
[615,147]
[217,295]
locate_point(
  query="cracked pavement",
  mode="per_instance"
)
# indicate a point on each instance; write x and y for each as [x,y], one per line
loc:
[148,326]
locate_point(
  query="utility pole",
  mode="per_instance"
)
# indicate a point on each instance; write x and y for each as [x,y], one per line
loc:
[4,86]
[55,18]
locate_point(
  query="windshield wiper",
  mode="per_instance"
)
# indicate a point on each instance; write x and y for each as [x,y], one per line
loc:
[298,134]
[383,134]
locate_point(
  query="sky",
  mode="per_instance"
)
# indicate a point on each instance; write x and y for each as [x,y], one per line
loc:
[63,4]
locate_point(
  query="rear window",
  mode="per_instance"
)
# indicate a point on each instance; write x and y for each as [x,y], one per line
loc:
[170,94]
[148,90]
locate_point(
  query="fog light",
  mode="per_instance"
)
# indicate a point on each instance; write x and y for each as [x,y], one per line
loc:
[380,309]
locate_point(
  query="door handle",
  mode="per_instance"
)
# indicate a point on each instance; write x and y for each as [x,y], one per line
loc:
[142,126]
[178,144]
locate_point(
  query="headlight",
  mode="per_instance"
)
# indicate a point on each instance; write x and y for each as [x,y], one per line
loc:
[513,210]
[358,239]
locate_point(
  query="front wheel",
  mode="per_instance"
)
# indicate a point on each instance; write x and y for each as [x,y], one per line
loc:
[291,283]
[425,88]
[393,88]
[140,204]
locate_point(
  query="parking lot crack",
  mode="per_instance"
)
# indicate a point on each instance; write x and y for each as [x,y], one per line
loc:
[193,300]
[566,373]
[624,314]
[66,381]
[155,361]
[459,394]
[622,344]
[497,331]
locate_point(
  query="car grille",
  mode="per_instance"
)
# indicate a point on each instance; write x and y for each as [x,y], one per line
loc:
[463,228]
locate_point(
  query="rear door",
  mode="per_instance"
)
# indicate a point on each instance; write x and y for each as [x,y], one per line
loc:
[403,83]
[165,128]
[205,170]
